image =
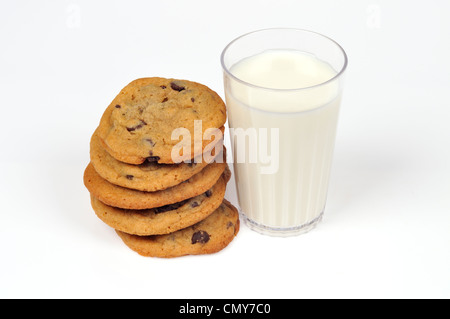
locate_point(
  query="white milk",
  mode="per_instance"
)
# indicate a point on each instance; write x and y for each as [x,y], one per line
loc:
[292,198]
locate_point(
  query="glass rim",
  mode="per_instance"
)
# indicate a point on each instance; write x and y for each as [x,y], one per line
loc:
[338,74]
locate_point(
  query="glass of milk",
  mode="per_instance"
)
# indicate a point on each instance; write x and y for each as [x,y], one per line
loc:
[283,90]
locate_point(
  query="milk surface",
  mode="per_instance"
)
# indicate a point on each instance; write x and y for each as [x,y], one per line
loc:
[297,94]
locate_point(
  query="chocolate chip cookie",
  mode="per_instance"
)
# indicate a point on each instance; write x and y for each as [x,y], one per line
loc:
[121,197]
[206,237]
[165,219]
[148,176]
[138,124]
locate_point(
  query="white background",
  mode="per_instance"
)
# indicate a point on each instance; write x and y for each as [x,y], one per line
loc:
[386,230]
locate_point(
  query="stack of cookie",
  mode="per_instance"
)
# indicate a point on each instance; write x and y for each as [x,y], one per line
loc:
[153,176]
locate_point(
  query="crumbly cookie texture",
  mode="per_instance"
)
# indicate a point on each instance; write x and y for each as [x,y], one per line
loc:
[148,176]
[137,126]
[121,197]
[165,219]
[206,237]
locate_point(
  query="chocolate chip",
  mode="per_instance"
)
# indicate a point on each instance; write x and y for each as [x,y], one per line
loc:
[200,236]
[169,207]
[163,87]
[136,127]
[230,224]
[152,159]
[165,100]
[149,140]
[194,204]
[130,177]
[208,193]
[192,99]
[176,87]
[118,106]
[147,166]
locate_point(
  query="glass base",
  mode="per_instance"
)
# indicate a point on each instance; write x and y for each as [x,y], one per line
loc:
[281,231]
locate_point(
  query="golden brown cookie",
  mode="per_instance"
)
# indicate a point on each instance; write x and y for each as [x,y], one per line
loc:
[138,124]
[165,219]
[121,197]
[148,177]
[206,237]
